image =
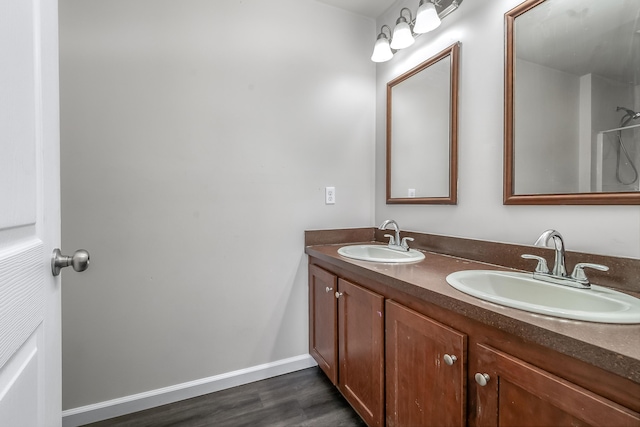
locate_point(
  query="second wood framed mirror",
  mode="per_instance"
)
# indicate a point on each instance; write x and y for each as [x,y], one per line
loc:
[572,127]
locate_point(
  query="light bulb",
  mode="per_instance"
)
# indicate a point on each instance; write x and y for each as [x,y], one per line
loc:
[381,50]
[427,18]
[402,36]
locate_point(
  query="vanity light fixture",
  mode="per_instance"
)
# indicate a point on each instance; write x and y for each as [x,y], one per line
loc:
[428,18]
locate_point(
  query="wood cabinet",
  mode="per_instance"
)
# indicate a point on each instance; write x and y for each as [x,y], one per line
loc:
[389,354]
[512,392]
[346,338]
[425,370]
[361,350]
[323,321]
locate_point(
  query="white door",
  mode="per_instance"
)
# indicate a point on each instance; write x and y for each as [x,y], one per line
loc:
[30,356]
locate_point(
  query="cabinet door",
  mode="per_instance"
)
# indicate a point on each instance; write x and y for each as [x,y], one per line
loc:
[361,350]
[323,327]
[519,394]
[422,388]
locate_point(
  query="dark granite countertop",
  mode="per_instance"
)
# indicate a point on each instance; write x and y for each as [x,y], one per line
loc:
[612,347]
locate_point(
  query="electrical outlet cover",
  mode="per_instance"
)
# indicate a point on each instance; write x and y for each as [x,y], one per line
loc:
[330,195]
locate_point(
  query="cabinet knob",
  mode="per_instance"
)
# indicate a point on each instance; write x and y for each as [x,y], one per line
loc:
[339,294]
[328,289]
[482,379]
[450,359]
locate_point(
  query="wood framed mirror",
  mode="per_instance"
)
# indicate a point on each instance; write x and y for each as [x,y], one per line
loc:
[572,90]
[422,132]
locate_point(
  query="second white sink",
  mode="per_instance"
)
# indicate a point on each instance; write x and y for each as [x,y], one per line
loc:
[380,253]
[522,291]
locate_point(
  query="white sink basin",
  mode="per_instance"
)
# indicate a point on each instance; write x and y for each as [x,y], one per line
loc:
[521,290]
[380,253]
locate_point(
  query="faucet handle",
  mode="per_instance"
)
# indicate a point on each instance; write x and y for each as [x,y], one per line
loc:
[542,263]
[392,240]
[404,243]
[579,274]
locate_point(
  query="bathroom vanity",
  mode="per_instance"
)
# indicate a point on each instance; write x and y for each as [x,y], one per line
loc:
[407,349]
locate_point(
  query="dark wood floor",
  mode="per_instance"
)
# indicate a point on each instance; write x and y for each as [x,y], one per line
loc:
[303,398]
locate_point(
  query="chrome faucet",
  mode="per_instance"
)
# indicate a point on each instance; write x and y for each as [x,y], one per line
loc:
[394,241]
[558,275]
[559,268]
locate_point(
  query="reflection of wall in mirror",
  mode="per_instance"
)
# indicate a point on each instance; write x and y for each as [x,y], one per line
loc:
[420,133]
[558,116]
[546,130]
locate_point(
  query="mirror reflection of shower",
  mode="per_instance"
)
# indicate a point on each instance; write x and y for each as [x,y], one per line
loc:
[615,113]
[629,116]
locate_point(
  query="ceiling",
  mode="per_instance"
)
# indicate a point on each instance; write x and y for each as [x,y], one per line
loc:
[370,8]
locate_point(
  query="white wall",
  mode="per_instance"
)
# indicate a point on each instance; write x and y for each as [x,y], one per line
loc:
[479,25]
[197,139]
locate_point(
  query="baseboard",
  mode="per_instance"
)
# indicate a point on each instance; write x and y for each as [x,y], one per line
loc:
[150,399]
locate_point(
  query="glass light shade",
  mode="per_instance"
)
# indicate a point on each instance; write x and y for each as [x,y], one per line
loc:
[402,36]
[381,50]
[427,18]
